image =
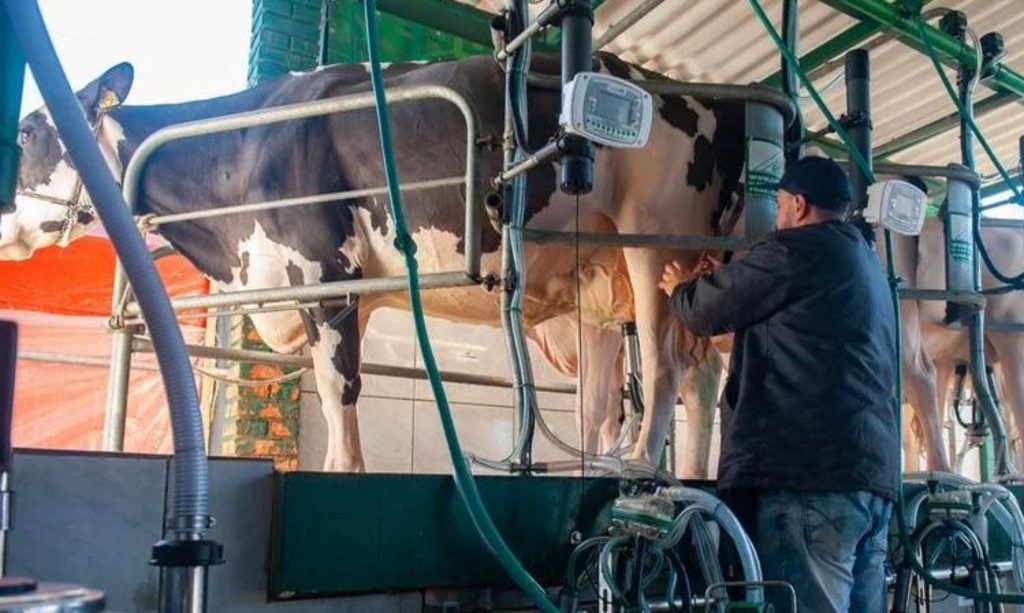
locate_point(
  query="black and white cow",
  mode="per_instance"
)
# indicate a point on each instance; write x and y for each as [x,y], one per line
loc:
[689,170]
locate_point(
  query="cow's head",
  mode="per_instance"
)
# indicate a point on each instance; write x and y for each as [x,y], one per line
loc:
[51,206]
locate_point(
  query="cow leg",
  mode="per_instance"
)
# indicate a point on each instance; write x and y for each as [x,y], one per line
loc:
[611,429]
[335,350]
[700,395]
[597,384]
[911,441]
[920,383]
[944,373]
[1010,351]
[661,365]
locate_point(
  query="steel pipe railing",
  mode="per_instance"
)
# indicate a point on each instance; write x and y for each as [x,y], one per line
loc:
[143,345]
[283,203]
[696,243]
[307,293]
[117,393]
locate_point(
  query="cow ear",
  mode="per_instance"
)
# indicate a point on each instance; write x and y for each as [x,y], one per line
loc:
[108,91]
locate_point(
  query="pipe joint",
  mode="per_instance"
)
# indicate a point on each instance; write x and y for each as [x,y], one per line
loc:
[573,8]
[856,119]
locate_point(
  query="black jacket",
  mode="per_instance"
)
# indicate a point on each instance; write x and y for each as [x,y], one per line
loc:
[808,405]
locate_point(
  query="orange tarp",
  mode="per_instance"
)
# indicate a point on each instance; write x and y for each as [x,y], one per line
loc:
[79,280]
[60,300]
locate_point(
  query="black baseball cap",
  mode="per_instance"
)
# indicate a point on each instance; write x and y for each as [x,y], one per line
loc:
[820,180]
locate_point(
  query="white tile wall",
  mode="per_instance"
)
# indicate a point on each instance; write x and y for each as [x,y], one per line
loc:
[399,426]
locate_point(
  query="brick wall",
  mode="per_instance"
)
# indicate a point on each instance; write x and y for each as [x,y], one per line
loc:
[285,37]
[263,420]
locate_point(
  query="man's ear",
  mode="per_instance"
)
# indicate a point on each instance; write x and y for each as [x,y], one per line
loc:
[803,208]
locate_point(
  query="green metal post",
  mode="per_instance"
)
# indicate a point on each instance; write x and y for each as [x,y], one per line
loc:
[454,18]
[951,51]
[12,78]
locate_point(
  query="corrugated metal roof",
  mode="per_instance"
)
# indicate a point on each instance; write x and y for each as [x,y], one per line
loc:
[722,41]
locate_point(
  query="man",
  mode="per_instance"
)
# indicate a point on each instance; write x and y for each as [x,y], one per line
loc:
[809,440]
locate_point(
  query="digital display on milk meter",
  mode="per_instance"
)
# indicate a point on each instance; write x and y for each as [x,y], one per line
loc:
[897,205]
[607,110]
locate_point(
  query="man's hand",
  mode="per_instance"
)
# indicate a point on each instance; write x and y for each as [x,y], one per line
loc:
[674,273]
[707,264]
[672,277]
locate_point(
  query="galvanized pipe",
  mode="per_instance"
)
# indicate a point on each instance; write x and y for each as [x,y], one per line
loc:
[117,392]
[755,92]
[976,299]
[993,222]
[693,243]
[616,29]
[367,368]
[306,293]
[226,312]
[116,410]
[517,42]
[52,357]
[283,203]
[950,171]
[183,589]
[547,153]
[305,110]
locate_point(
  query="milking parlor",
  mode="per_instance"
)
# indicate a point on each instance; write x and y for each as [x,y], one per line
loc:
[604,306]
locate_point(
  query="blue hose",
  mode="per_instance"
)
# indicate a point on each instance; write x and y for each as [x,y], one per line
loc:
[191,481]
[403,241]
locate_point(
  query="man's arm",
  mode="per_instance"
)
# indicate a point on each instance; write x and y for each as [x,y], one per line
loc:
[738,294]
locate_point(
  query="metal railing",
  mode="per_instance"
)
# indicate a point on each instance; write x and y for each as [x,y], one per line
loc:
[297,297]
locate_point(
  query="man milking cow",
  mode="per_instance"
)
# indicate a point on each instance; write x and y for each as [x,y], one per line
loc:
[809,453]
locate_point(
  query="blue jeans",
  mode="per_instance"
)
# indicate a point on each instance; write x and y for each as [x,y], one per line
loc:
[829,546]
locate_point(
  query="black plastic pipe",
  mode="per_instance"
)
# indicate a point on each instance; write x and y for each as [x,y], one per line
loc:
[577,166]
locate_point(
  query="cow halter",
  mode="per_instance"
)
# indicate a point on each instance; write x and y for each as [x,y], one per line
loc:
[76,206]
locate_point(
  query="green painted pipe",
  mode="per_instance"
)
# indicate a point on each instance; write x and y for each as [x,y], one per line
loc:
[840,43]
[950,51]
[460,467]
[456,19]
[12,77]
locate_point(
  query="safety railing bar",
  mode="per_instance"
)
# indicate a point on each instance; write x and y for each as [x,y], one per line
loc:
[76,359]
[942,295]
[701,243]
[754,92]
[234,311]
[367,368]
[995,222]
[320,291]
[1003,326]
[223,211]
[314,108]
[950,171]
